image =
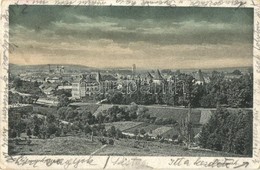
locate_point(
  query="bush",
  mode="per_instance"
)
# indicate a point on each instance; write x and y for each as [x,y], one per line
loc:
[51,129]
[29,132]
[112,131]
[87,129]
[119,133]
[58,132]
[103,141]
[36,130]
[111,142]
[142,132]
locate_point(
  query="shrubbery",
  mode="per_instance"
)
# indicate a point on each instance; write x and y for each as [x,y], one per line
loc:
[229,132]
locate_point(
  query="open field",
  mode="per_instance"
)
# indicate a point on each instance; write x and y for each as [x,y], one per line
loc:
[123,126]
[130,127]
[152,129]
[56,146]
[145,126]
[83,146]
[153,148]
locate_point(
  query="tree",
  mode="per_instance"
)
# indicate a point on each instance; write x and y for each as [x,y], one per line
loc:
[91,118]
[100,117]
[142,111]
[63,101]
[229,132]
[112,131]
[29,132]
[143,115]
[17,82]
[136,132]
[119,133]
[132,109]
[198,92]
[36,84]
[115,97]
[70,114]
[142,132]
[58,132]
[20,127]
[36,130]
[61,112]
[51,129]
[111,142]
[237,72]
[50,118]
[208,101]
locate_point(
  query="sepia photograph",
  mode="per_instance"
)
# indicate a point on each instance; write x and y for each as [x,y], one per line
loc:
[130,81]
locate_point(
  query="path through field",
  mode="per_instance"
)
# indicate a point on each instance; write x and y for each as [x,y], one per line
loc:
[99,149]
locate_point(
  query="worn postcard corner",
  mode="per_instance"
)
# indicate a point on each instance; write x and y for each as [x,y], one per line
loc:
[130,84]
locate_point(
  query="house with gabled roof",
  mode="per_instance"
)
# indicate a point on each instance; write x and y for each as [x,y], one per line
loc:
[158,78]
[48,88]
[200,77]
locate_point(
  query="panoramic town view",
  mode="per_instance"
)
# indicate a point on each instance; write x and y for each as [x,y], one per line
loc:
[131,81]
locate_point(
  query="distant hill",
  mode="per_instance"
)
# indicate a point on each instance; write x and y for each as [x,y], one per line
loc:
[14,68]
[227,70]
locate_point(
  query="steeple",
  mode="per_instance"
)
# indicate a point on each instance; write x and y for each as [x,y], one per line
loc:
[98,77]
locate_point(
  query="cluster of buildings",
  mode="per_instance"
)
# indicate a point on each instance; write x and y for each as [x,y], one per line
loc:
[92,83]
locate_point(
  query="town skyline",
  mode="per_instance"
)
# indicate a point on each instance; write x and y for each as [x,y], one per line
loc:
[102,37]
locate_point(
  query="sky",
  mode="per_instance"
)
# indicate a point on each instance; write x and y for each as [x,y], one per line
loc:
[150,37]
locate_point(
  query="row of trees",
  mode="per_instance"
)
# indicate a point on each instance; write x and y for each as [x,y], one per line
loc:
[228,131]
[113,114]
[235,92]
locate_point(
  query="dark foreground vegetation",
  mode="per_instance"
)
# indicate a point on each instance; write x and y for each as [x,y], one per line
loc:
[228,132]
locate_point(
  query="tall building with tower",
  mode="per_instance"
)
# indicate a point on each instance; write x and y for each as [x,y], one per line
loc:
[133,70]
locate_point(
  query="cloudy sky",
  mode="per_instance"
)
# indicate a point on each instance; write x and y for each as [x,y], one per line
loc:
[150,37]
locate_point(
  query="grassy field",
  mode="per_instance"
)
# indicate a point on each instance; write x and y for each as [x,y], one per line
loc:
[83,146]
[145,126]
[175,113]
[123,126]
[166,131]
[152,148]
[152,129]
[56,146]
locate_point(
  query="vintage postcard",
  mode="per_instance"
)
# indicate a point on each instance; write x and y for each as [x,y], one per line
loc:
[130,84]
